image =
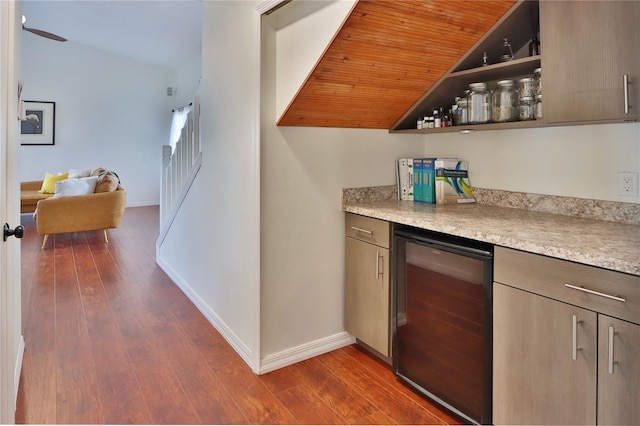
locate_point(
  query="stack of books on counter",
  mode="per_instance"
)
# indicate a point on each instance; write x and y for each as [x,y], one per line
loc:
[434,180]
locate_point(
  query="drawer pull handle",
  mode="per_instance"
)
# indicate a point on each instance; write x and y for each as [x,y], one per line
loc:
[575,348]
[364,231]
[597,293]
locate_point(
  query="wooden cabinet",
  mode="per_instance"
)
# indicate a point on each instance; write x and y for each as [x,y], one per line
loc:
[367,293]
[536,380]
[560,355]
[618,371]
[588,48]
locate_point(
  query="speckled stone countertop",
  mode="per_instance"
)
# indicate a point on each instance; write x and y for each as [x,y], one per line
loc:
[608,244]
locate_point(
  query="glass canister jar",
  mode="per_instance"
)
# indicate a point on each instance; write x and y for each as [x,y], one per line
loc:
[537,81]
[527,108]
[479,104]
[539,107]
[505,102]
[525,85]
[461,112]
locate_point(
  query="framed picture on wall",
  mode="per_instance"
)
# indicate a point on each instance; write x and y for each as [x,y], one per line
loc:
[38,124]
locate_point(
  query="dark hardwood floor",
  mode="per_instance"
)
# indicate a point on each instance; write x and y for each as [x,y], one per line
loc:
[110,339]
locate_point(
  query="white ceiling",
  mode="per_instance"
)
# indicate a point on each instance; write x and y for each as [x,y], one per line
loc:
[162,32]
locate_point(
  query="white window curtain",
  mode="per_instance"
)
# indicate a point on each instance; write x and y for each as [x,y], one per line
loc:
[177,123]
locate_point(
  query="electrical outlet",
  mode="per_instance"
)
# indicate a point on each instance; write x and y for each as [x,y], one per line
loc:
[628,184]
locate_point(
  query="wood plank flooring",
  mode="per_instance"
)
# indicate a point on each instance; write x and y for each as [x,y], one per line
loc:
[111,340]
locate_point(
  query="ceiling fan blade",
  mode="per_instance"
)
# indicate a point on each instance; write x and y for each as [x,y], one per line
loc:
[44,34]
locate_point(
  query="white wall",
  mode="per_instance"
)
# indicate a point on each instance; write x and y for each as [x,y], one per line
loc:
[186,81]
[575,161]
[111,112]
[212,249]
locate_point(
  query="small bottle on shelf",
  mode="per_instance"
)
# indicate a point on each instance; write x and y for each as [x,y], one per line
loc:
[445,120]
[437,119]
[444,117]
[507,52]
[534,46]
[485,60]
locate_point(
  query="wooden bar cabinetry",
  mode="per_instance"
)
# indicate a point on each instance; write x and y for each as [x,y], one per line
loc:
[566,342]
[589,48]
[589,55]
[367,282]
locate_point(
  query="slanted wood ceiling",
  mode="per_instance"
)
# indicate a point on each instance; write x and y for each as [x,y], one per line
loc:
[385,56]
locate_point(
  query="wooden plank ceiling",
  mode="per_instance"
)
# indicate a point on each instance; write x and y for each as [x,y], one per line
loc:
[385,56]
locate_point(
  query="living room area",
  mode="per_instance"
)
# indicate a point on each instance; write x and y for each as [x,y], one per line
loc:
[111,111]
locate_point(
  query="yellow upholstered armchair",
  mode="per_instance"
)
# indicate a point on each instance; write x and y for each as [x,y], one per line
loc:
[91,212]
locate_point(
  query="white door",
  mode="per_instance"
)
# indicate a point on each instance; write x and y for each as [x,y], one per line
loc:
[10,334]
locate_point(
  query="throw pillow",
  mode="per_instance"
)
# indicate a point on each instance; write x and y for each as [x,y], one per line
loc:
[98,171]
[49,182]
[79,173]
[75,186]
[107,182]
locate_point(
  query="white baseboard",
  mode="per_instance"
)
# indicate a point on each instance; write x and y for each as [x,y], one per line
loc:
[18,368]
[308,350]
[143,203]
[236,343]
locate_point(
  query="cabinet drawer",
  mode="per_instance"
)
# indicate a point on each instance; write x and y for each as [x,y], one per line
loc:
[363,228]
[549,277]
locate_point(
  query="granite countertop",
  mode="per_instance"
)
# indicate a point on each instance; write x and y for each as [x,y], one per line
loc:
[607,244]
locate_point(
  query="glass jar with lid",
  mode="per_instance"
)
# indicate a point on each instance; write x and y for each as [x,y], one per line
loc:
[539,107]
[537,81]
[527,108]
[479,104]
[525,85]
[461,113]
[505,102]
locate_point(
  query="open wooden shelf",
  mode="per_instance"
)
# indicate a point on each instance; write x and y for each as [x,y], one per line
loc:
[517,26]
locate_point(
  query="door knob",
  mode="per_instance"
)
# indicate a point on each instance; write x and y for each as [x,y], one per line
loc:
[18,232]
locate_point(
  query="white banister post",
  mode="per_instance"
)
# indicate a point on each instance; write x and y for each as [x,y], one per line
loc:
[166,158]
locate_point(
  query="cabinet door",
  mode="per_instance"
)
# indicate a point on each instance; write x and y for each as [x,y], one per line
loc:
[587,48]
[367,294]
[538,375]
[618,372]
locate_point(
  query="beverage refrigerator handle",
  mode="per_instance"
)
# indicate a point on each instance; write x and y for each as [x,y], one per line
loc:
[437,244]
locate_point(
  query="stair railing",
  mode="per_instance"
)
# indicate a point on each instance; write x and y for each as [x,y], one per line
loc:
[179,169]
